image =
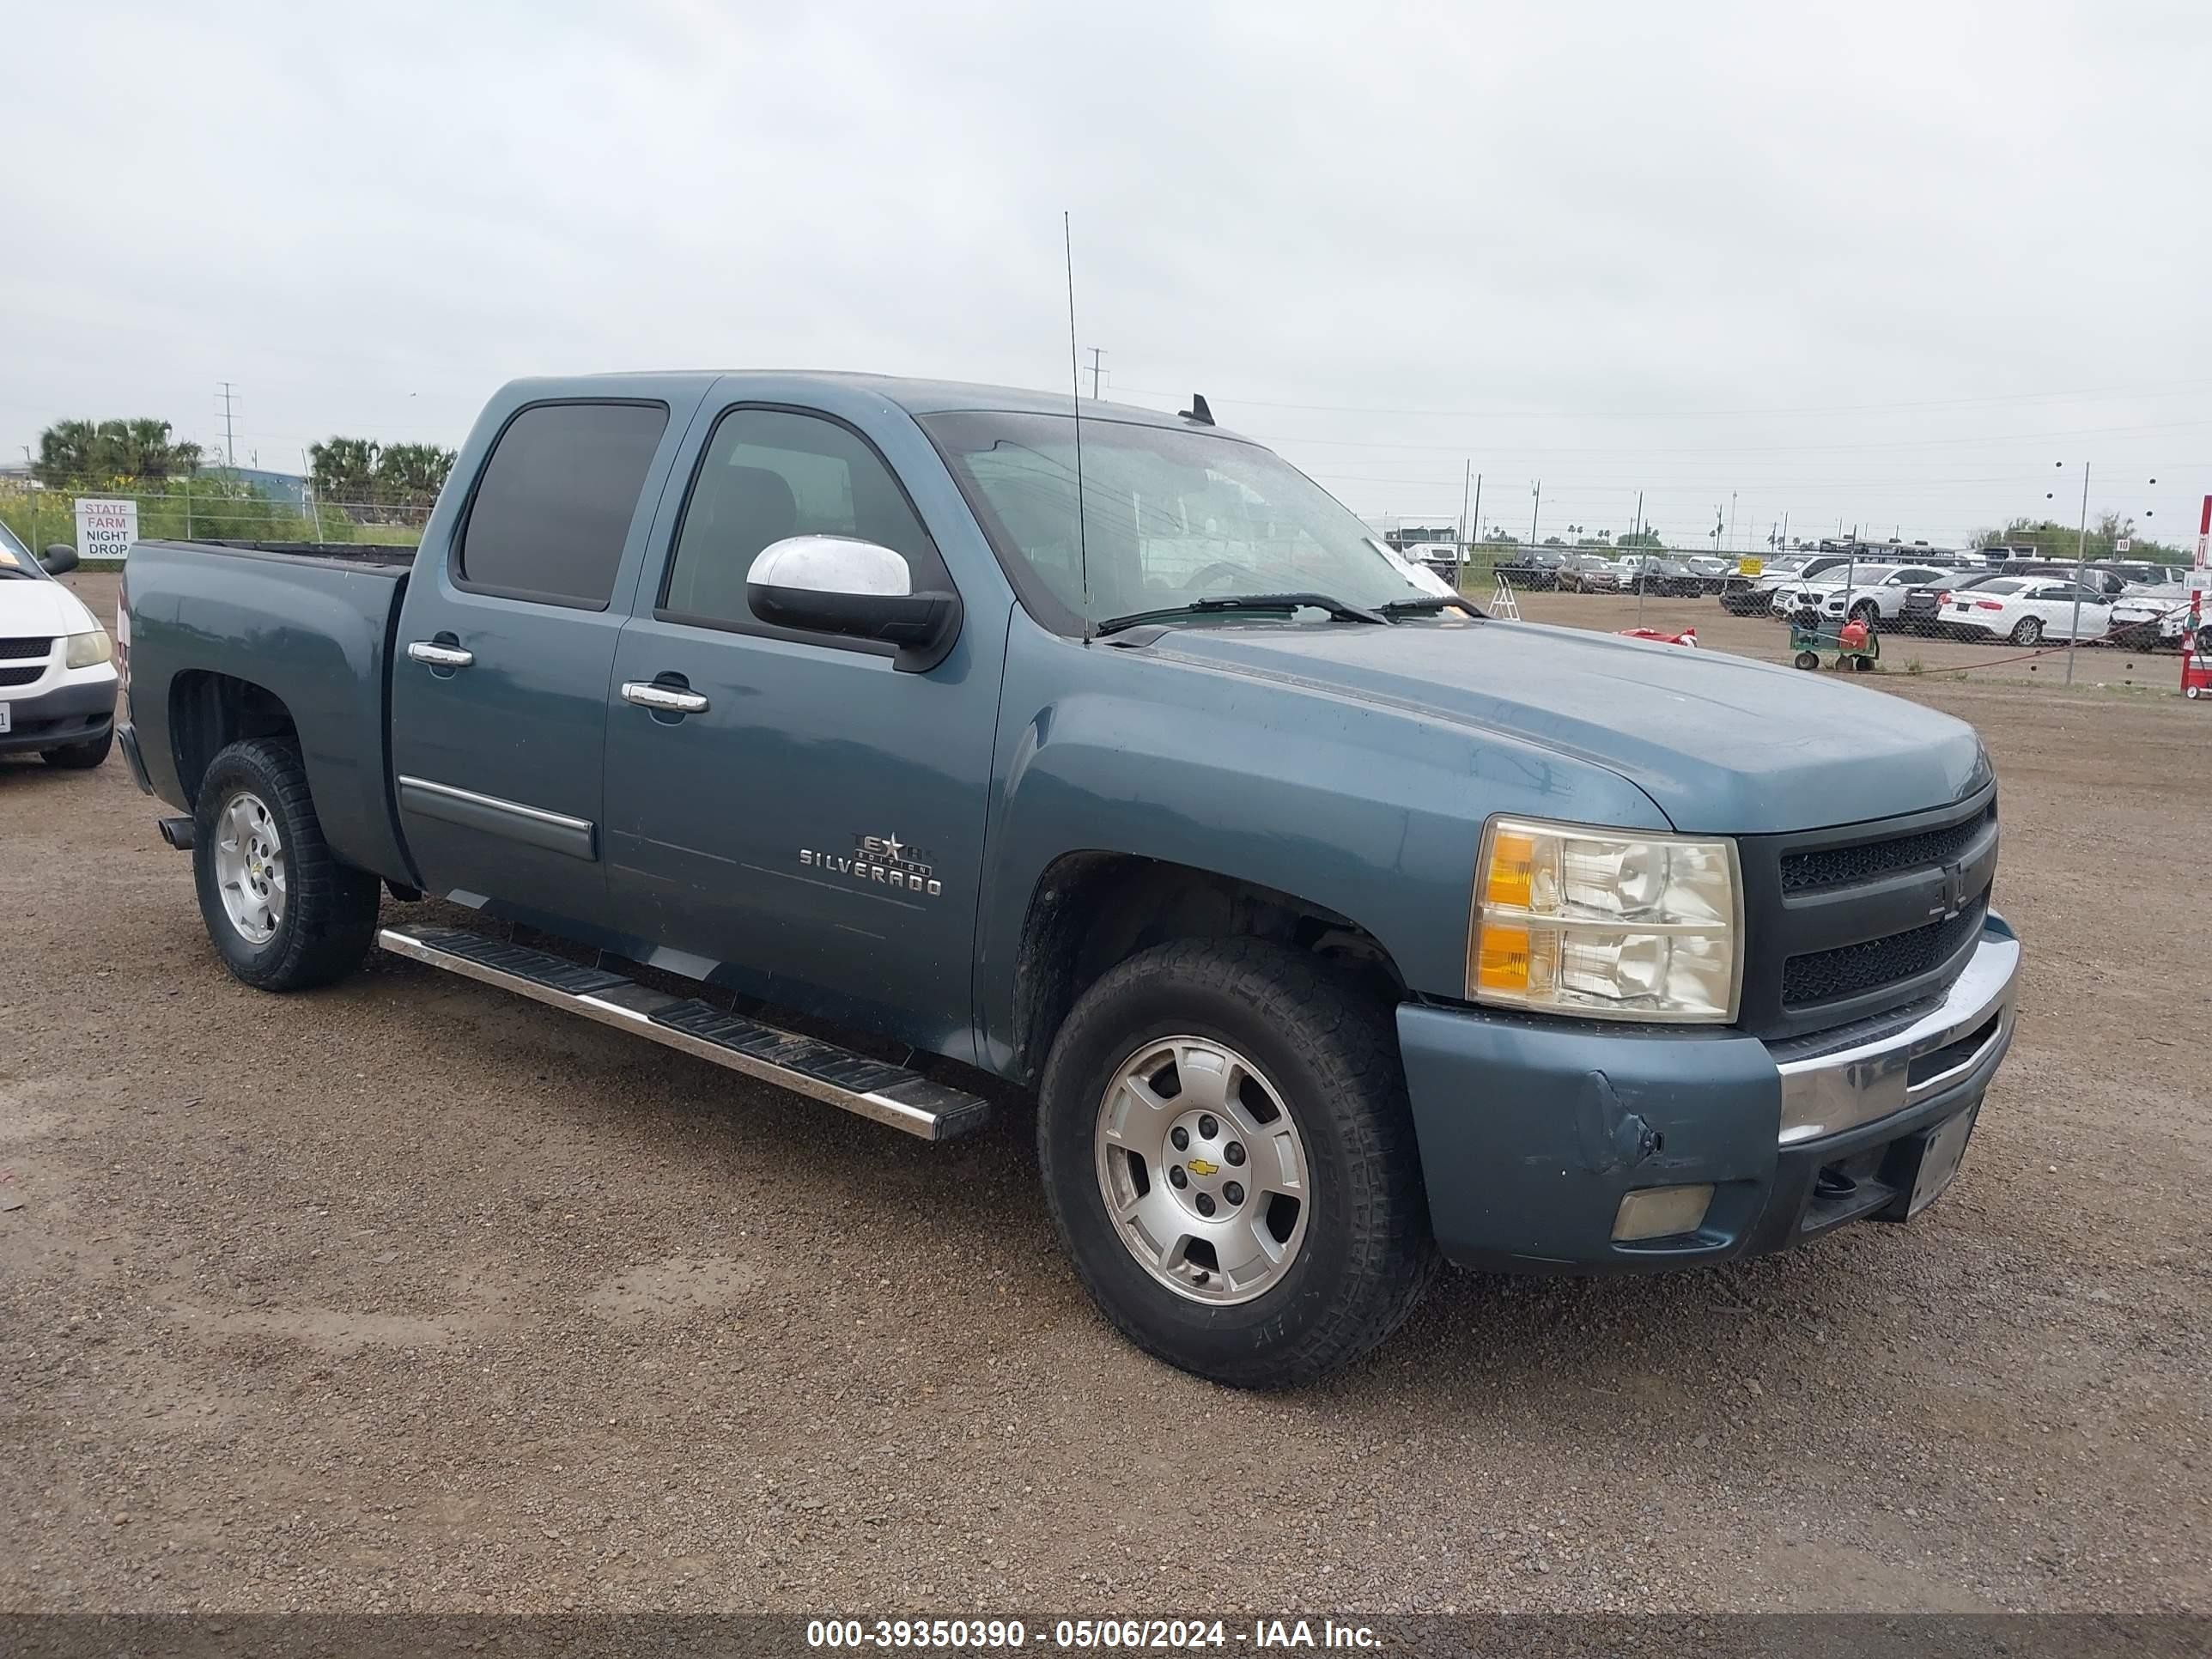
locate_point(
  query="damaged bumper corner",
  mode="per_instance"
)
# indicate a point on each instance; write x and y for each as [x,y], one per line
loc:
[1532,1130]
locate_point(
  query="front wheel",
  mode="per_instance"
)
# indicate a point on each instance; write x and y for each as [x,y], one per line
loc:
[282,912]
[1228,1158]
[80,757]
[1809,659]
[2028,631]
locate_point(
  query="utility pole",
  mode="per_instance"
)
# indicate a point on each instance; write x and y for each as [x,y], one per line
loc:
[230,435]
[1474,525]
[1731,521]
[2080,552]
[1537,489]
[1096,354]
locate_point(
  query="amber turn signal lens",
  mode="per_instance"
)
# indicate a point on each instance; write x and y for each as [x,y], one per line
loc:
[1512,871]
[1502,962]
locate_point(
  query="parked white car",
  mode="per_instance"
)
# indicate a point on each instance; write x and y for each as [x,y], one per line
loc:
[2027,610]
[1878,595]
[2148,616]
[57,663]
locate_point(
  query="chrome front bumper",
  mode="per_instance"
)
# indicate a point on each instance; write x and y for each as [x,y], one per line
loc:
[1824,1093]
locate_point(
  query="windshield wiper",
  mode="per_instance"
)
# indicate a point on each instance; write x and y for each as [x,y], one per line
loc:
[1336,608]
[1426,604]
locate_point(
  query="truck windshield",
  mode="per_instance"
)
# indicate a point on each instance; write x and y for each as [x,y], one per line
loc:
[1169,517]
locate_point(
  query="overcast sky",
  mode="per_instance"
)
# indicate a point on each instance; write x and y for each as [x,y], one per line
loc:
[1862,264]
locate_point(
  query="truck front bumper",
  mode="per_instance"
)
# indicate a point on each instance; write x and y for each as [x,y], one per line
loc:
[1532,1130]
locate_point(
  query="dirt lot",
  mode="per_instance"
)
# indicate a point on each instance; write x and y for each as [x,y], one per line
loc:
[408,1294]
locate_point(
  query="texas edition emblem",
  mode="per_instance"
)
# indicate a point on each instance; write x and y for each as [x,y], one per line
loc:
[878,860]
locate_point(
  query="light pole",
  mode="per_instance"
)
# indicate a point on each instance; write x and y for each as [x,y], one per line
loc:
[1537,491]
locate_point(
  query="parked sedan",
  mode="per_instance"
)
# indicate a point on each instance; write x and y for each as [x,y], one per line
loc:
[2027,610]
[1923,608]
[2146,618]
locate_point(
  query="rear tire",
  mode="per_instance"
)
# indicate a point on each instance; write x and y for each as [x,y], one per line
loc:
[283,914]
[80,757]
[1809,659]
[2028,631]
[1349,1259]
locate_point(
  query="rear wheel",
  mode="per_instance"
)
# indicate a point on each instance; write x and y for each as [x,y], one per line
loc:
[283,914]
[2028,631]
[1809,659]
[1228,1158]
[80,757]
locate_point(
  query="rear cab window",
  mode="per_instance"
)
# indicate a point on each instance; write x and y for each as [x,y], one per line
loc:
[553,506]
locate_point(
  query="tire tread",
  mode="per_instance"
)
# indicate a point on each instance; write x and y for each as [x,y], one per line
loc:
[1351,1034]
[330,907]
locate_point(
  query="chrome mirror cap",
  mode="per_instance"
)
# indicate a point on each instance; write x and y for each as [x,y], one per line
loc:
[830,564]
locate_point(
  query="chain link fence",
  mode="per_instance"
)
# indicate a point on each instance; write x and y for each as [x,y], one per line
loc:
[211,510]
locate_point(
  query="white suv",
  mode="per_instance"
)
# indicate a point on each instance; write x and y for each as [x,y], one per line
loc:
[57,663]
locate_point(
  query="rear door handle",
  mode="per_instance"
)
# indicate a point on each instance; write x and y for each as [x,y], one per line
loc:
[439,656]
[646,694]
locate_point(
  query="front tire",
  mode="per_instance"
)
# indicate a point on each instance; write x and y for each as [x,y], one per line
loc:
[80,757]
[1228,1158]
[283,914]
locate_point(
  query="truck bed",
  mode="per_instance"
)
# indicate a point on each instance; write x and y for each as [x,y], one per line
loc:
[376,555]
[311,625]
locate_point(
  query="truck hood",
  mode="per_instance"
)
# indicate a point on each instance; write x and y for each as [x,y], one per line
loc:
[1720,743]
[34,606]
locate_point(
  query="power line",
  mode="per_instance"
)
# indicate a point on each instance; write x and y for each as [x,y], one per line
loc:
[2175,389]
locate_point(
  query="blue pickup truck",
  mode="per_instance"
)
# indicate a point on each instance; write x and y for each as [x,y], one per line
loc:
[1334,927]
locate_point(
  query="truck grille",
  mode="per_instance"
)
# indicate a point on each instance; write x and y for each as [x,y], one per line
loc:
[29,645]
[22,676]
[1849,924]
[1836,867]
[1850,970]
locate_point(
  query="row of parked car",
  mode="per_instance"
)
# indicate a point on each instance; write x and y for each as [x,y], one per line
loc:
[2138,606]
[1581,571]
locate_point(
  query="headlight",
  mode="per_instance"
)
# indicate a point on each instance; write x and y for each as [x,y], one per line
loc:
[87,650]
[1571,921]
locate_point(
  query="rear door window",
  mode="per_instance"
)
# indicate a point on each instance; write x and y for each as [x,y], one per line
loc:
[553,508]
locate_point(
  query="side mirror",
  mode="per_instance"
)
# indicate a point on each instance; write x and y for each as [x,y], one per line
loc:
[59,560]
[856,589]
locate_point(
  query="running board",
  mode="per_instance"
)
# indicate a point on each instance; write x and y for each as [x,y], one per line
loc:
[822,1070]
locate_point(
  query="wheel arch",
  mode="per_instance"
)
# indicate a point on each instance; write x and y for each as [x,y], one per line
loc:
[1091,910]
[210,711]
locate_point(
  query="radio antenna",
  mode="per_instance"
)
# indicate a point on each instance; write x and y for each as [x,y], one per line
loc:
[1075,384]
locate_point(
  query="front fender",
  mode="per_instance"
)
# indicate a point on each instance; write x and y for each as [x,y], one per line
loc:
[1369,810]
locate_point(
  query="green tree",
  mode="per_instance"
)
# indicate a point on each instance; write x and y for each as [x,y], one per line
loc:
[110,451]
[409,476]
[343,470]
[64,453]
[1646,537]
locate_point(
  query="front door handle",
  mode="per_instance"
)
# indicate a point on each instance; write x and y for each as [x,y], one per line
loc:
[439,656]
[668,698]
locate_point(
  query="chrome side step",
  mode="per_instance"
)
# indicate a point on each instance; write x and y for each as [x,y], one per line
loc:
[822,1070]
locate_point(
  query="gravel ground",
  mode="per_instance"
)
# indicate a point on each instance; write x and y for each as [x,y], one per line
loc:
[409,1294]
